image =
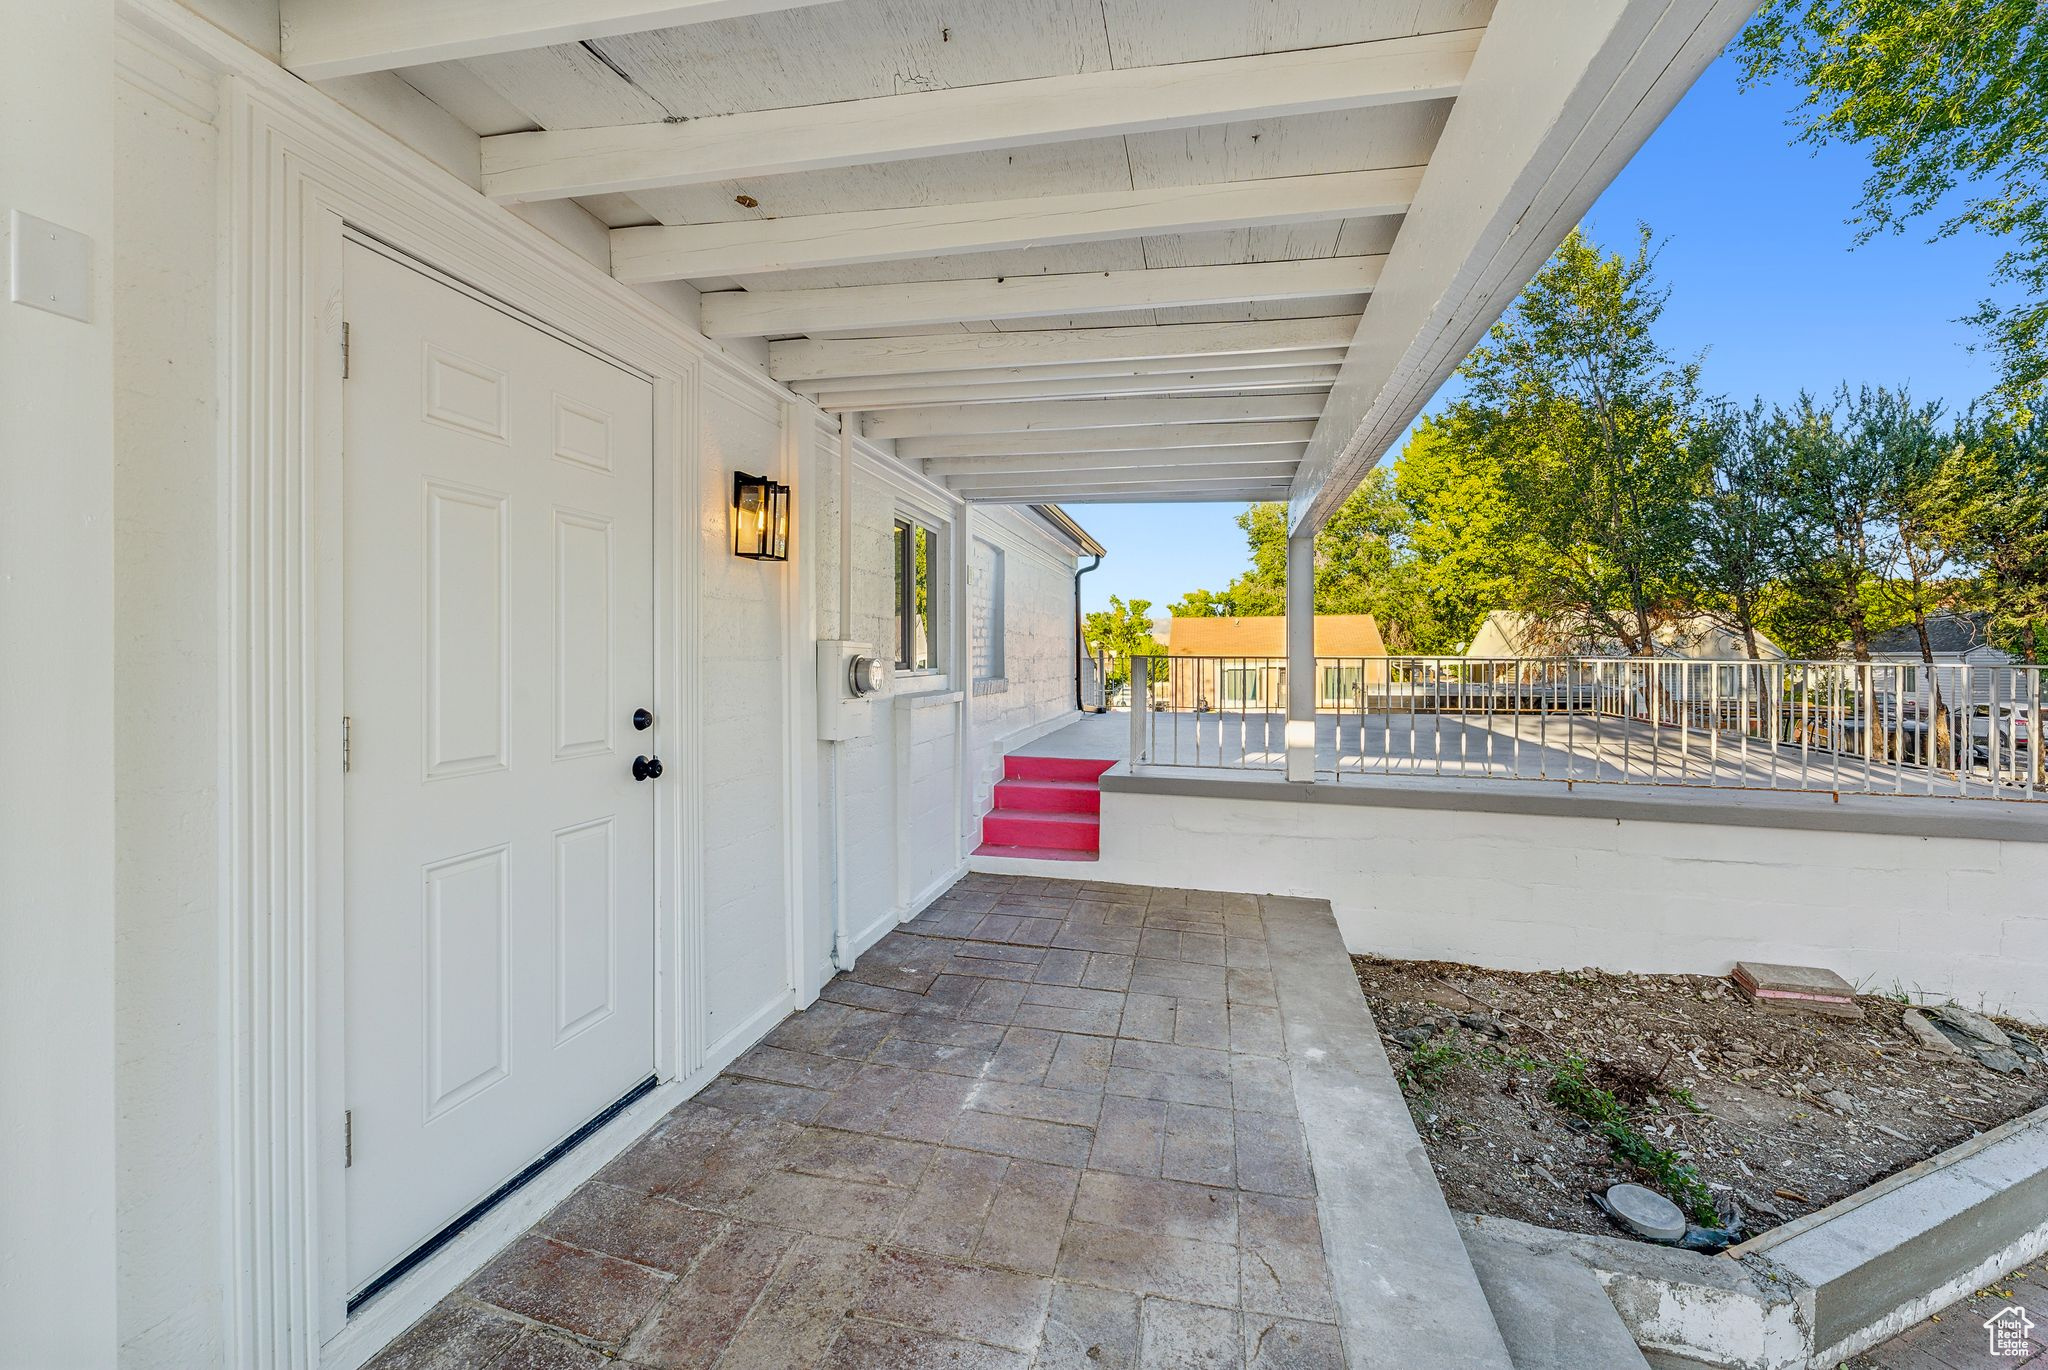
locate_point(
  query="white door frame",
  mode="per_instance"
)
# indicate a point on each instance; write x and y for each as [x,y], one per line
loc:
[297,172]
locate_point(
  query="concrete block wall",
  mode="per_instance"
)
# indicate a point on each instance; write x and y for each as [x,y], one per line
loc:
[1038,641]
[1935,916]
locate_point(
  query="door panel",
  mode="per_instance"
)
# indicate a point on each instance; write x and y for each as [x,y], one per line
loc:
[498,592]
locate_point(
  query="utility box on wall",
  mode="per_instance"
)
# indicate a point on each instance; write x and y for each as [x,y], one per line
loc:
[850,678]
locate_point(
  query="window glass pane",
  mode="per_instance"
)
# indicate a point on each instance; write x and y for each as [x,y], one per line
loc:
[985,620]
[921,648]
[900,560]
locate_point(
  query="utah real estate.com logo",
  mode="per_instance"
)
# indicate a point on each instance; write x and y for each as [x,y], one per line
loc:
[2010,1331]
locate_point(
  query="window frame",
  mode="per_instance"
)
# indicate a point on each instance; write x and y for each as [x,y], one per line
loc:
[908,523]
[998,665]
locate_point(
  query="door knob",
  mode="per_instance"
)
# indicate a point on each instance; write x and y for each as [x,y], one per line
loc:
[646,768]
[642,720]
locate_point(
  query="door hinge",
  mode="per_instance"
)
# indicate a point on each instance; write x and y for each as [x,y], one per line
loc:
[346,728]
[344,351]
[348,1138]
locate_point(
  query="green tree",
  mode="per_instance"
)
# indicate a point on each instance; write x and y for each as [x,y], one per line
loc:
[1355,561]
[1947,96]
[1997,478]
[1592,423]
[1123,630]
[1844,490]
[1743,523]
[1463,550]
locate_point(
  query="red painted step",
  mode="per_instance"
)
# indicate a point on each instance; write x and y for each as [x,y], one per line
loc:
[1068,768]
[1075,832]
[1048,796]
[1047,808]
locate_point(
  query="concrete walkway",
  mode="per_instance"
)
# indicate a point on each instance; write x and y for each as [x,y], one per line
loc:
[1046,1124]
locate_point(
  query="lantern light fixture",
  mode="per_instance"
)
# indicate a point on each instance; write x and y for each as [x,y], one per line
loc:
[760,518]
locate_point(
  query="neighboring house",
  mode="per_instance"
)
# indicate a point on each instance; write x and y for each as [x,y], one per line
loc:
[1509,633]
[1955,639]
[1240,663]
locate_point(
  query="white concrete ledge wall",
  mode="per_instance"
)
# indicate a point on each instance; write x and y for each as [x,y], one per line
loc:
[1936,915]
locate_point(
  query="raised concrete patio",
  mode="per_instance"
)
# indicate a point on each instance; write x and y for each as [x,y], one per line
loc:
[1576,747]
[1048,1123]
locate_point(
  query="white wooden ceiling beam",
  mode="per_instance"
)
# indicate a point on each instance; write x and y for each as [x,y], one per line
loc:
[1068,416]
[1277,459]
[1027,377]
[1560,95]
[558,163]
[1240,494]
[1108,440]
[1183,476]
[664,252]
[883,395]
[915,304]
[323,39]
[813,359]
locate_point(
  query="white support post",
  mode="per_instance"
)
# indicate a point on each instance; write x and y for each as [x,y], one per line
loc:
[1301,657]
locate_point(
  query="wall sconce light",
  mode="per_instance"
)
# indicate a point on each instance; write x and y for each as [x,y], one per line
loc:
[760,518]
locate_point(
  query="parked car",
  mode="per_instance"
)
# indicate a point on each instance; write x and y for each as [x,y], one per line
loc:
[2015,729]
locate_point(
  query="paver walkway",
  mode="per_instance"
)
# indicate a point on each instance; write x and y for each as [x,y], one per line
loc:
[1047,1123]
[1956,1338]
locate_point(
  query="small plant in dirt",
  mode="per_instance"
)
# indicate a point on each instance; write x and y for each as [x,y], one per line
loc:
[1427,1066]
[1574,1089]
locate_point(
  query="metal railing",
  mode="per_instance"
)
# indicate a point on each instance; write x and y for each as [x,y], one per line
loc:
[1835,726]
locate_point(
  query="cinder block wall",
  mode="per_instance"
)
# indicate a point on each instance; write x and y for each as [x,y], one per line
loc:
[1936,916]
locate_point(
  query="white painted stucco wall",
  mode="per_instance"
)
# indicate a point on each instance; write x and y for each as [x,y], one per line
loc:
[1934,916]
[166,677]
[741,687]
[57,735]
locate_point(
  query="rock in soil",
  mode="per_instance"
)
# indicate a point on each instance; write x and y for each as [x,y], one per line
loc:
[1922,1030]
[1973,1025]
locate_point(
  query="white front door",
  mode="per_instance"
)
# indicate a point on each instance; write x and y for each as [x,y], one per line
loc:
[498,578]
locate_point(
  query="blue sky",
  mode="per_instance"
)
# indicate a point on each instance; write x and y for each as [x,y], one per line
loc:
[1765,280]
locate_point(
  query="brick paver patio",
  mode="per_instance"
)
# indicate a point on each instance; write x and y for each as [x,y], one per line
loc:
[1048,1123]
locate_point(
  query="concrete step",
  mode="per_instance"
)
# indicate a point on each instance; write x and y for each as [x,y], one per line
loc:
[1071,831]
[1035,853]
[1550,1308]
[1048,796]
[1068,768]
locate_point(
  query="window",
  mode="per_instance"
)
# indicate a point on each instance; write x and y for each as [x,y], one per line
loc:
[985,625]
[919,574]
[1342,685]
[1243,685]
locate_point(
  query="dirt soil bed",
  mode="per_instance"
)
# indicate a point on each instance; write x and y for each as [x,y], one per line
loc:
[1780,1113]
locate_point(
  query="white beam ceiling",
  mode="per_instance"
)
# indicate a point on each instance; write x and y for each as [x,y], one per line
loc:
[323,39]
[555,164]
[823,359]
[1107,440]
[1179,477]
[883,394]
[1066,416]
[910,304]
[697,251]
[1283,459]
[1144,492]
[1057,252]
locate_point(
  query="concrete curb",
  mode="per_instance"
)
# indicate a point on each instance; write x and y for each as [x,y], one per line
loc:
[1407,1294]
[1808,1295]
